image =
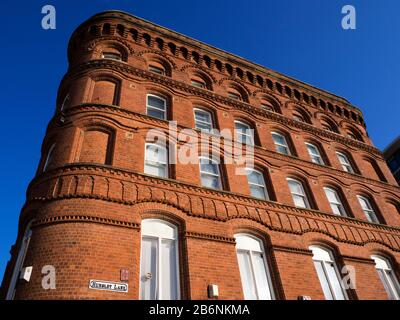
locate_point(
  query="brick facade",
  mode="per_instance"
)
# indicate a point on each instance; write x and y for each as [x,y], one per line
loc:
[90,195]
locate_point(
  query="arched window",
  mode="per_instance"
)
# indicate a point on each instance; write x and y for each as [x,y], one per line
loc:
[345,162]
[112,56]
[353,134]
[281,144]
[156,107]
[203,120]
[200,80]
[159,266]
[299,194]
[256,183]
[156,160]
[387,276]
[314,153]
[156,67]
[244,133]
[49,157]
[19,262]
[375,168]
[301,116]
[210,173]
[335,201]
[328,274]
[368,209]
[329,125]
[254,272]
[233,94]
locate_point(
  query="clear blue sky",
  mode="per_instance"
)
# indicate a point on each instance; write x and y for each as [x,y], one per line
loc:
[300,38]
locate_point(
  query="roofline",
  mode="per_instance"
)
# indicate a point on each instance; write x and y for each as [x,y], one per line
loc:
[264,69]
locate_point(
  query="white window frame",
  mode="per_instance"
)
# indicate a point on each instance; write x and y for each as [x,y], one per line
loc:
[158,163]
[338,203]
[196,121]
[324,257]
[387,277]
[160,230]
[315,155]
[23,249]
[263,186]
[209,173]
[104,56]
[49,157]
[198,84]
[278,144]
[157,70]
[302,195]
[369,211]
[345,162]
[235,96]
[248,134]
[251,245]
[164,111]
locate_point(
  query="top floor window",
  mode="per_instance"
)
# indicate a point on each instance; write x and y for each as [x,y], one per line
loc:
[156,107]
[49,157]
[234,95]
[157,69]
[198,84]
[112,56]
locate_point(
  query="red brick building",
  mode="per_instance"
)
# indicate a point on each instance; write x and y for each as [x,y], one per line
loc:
[106,203]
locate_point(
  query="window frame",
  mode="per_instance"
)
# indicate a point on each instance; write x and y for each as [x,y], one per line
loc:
[327,278]
[387,276]
[263,186]
[157,70]
[340,204]
[277,144]
[160,236]
[346,164]
[157,164]
[319,156]
[240,134]
[304,195]
[104,56]
[165,111]
[211,124]
[220,185]
[251,251]
[367,211]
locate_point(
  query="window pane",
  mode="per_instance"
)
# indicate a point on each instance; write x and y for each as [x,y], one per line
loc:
[260,270]
[394,284]
[334,281]
[299,201]
[258,192]
[246,275]
[169,283]
[279,139]
[282,149]
[209,167]
[156,102]
[156,170]
[210,181]
[255,177]
[323,280]
[295,187]
[156,113]
[148,269]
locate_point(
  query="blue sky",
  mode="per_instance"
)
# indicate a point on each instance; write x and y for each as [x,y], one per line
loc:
[300,38]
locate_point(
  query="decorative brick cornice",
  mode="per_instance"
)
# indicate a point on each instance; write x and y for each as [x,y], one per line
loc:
[93,182]
[144,74]
[89,107]
[292,250]
[210,237]
[84,218]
